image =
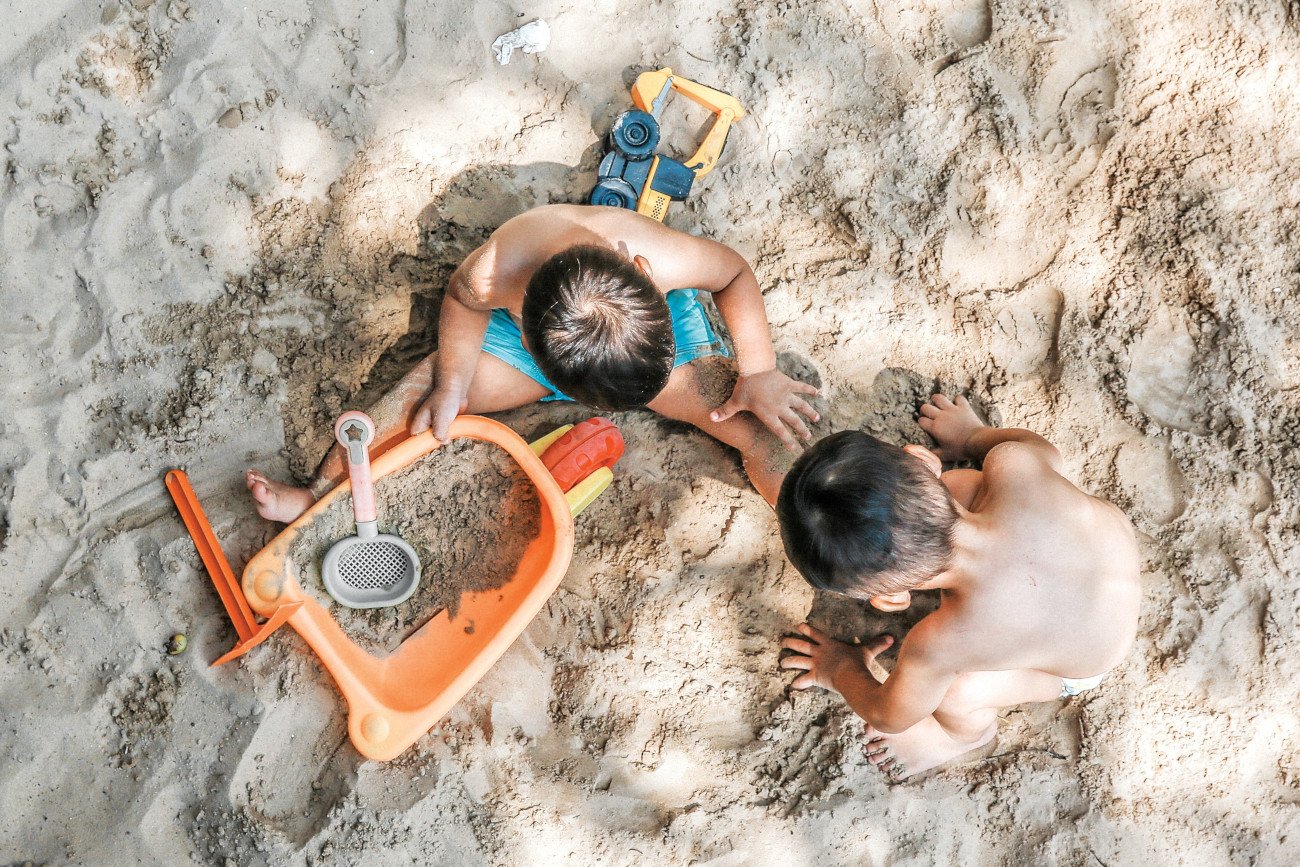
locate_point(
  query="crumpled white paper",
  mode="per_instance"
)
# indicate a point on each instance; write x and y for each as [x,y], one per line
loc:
[532,38]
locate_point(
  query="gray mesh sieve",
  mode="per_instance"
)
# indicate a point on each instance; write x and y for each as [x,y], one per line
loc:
[373,566]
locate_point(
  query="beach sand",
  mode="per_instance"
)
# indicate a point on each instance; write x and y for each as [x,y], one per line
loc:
[222,223]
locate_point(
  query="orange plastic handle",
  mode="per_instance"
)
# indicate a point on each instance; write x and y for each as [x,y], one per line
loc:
[592,444]
[232,596]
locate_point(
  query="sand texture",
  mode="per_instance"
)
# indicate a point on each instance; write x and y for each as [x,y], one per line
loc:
[222,223]
[469,512]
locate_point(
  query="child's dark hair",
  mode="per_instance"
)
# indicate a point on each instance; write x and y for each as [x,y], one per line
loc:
[864,518]
[599,328]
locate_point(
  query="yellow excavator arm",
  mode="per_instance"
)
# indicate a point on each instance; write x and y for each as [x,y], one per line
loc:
[650,92]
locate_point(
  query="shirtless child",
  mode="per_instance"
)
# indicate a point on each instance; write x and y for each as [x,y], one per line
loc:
[595,304]
[1038,580]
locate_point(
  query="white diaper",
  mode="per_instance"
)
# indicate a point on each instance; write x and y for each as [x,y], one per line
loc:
[1071,686]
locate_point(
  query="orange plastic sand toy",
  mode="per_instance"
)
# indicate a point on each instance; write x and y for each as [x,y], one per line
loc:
[393,700]
[214,560]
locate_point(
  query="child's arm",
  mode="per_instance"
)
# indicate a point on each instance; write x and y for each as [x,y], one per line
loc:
[760,388]
[680,261]
[891,704]
[961,434]
[462,323]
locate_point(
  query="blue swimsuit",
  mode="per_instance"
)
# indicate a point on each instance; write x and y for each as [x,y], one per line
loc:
[694,336]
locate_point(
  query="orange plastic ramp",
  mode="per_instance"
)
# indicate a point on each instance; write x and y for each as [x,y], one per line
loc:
[214,559]
[394,700]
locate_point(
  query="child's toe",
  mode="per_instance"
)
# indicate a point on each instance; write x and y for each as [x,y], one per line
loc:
[260,490]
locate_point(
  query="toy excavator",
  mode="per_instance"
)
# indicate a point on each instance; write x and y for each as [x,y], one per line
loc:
[632,175]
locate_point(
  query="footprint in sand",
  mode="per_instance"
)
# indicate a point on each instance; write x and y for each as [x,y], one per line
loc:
[288,769]
[937,32]
[968,23]
[1074,103]
[1004,225]
[1022,336]
[1162,375]
[1147,472]
[1007,216]
[375,38]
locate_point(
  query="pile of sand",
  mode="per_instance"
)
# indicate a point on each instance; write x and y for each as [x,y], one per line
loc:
[225,222]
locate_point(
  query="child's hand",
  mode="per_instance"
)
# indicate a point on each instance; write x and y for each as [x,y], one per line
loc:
[822,658]
[951,423]
[438,410]
[774,399]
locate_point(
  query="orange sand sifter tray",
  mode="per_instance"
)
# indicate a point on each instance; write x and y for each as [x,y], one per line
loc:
[394,699]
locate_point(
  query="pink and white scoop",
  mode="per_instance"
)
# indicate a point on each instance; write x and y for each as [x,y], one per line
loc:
[370,569]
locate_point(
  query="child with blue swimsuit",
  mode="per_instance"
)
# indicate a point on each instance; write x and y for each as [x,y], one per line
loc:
[597,305]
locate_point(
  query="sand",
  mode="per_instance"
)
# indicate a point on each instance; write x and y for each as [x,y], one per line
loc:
[467,509]
[223,223]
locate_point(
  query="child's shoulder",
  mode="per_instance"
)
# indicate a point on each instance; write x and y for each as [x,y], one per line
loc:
[541,232]
[1019,460]
[550,212]
[1029,490]
[1027,476]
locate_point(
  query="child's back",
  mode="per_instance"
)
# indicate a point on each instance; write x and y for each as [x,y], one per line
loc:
[1039,581]
[1052,572]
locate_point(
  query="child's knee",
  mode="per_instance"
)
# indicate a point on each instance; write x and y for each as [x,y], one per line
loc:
[968,693]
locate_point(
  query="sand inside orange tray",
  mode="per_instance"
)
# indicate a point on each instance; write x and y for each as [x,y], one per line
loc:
[469,512]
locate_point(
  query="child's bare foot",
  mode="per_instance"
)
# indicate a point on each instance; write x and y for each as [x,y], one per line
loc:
[277,501]
[924,746]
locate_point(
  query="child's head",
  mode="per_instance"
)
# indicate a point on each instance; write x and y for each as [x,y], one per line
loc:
[599,328]
[864,518]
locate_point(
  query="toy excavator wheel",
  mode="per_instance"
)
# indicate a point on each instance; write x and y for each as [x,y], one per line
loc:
[635,135]
[614,192]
